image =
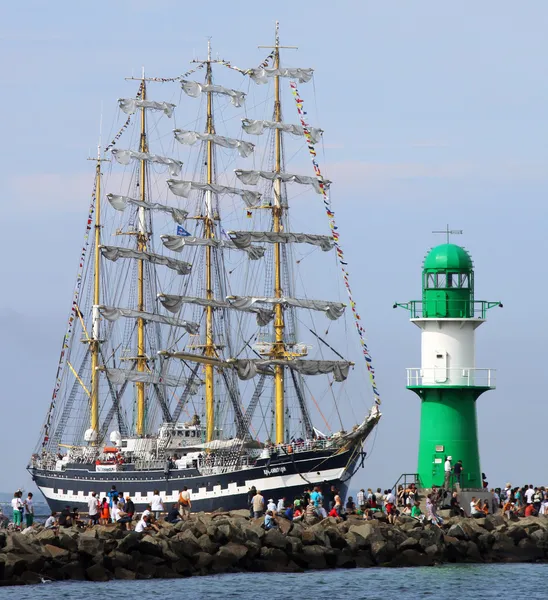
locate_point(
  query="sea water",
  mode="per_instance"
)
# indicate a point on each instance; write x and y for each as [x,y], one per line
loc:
[447,582]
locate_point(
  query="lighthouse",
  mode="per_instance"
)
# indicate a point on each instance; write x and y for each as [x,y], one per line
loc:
[448,382]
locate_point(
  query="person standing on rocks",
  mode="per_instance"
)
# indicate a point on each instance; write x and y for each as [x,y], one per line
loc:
[448,468]
[258,505]
[457,471]
[93,509]
[360,500]
[29,510]
[130,507]
[390,506]
[156,505]
[184,503]
[529,493]
[16,504]
[250,494]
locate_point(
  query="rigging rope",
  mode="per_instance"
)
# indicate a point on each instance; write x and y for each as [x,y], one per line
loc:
[335,235]
[73,317]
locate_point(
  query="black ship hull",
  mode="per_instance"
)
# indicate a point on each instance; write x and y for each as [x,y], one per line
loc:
[284,477]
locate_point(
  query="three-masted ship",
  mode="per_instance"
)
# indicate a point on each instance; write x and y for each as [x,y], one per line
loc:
[182,364]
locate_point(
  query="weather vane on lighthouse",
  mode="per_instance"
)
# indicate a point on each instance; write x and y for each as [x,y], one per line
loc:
[449,232]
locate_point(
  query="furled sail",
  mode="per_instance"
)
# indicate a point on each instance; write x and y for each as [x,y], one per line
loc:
[121,202]
[177,243]
[194,89]
[252,178]
[115,252]
[247,368]
[124,157]
[120,376]
[183,189]
[255,127]
[174,303]
[112,313]
[262,74]
[243,239]
[130,105]
[191,137]
[332,310]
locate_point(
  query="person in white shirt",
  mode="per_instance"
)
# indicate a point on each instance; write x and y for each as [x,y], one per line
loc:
[448,469]
[156,505]
[281,506]
[114,513]
[93,509]
[29,510]
[142,525]
[529,493]
[17,505]
[390,506]
[271,506]
[475,509]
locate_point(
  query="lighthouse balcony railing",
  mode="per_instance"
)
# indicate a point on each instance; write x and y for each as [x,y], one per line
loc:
[457,377]
[447,308]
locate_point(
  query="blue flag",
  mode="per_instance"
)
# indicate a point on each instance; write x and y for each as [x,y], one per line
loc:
[182,231]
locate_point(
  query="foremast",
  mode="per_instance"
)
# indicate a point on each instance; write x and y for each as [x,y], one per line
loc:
[141,246]
[95,341]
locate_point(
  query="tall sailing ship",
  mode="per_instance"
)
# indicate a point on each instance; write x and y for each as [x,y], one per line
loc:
[182,364]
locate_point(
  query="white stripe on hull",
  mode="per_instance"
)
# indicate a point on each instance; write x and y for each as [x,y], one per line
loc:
[263,484]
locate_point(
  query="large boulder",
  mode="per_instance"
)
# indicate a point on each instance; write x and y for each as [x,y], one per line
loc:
[129,542]
[528,551]
[517,533]
[189,545]
[98,573]
[383,552]
[369,531]
[74,571]
[232,552]
[409,544]
[274,539]
[274,555]
[57,553]
[121,573]
[313,557]
[355,542]
[206,545]
[90,546]
[412,558]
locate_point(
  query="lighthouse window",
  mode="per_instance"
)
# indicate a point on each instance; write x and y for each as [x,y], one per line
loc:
[441,281]
[431,281]
[464,280]
[452,280]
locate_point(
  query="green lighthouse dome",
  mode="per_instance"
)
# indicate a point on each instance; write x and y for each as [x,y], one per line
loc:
[448,283]
[448,257]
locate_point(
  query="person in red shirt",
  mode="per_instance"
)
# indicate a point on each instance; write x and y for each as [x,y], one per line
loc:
[530,511]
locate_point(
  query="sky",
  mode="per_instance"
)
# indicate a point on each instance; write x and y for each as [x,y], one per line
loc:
[434,113]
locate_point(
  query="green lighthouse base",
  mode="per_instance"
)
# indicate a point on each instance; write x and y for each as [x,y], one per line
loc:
[448,428]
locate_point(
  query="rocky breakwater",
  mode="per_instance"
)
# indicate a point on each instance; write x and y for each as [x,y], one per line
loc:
[231,542]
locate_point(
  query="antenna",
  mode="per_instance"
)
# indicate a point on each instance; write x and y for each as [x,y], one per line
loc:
[449,232]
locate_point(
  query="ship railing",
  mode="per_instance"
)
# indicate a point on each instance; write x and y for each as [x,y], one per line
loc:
[453,376]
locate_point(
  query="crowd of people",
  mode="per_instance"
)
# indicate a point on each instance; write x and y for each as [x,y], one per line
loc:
[314,503]
[113,508]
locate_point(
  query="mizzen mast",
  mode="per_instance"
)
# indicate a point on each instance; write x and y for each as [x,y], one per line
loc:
[141,246]
[278,348]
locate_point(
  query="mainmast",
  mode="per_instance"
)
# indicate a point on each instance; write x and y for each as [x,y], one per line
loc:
[141,245]
[209,234]
[278,348]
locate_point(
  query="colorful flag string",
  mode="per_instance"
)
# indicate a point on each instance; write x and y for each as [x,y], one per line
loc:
[336,240]
[73,317]
[263,65]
